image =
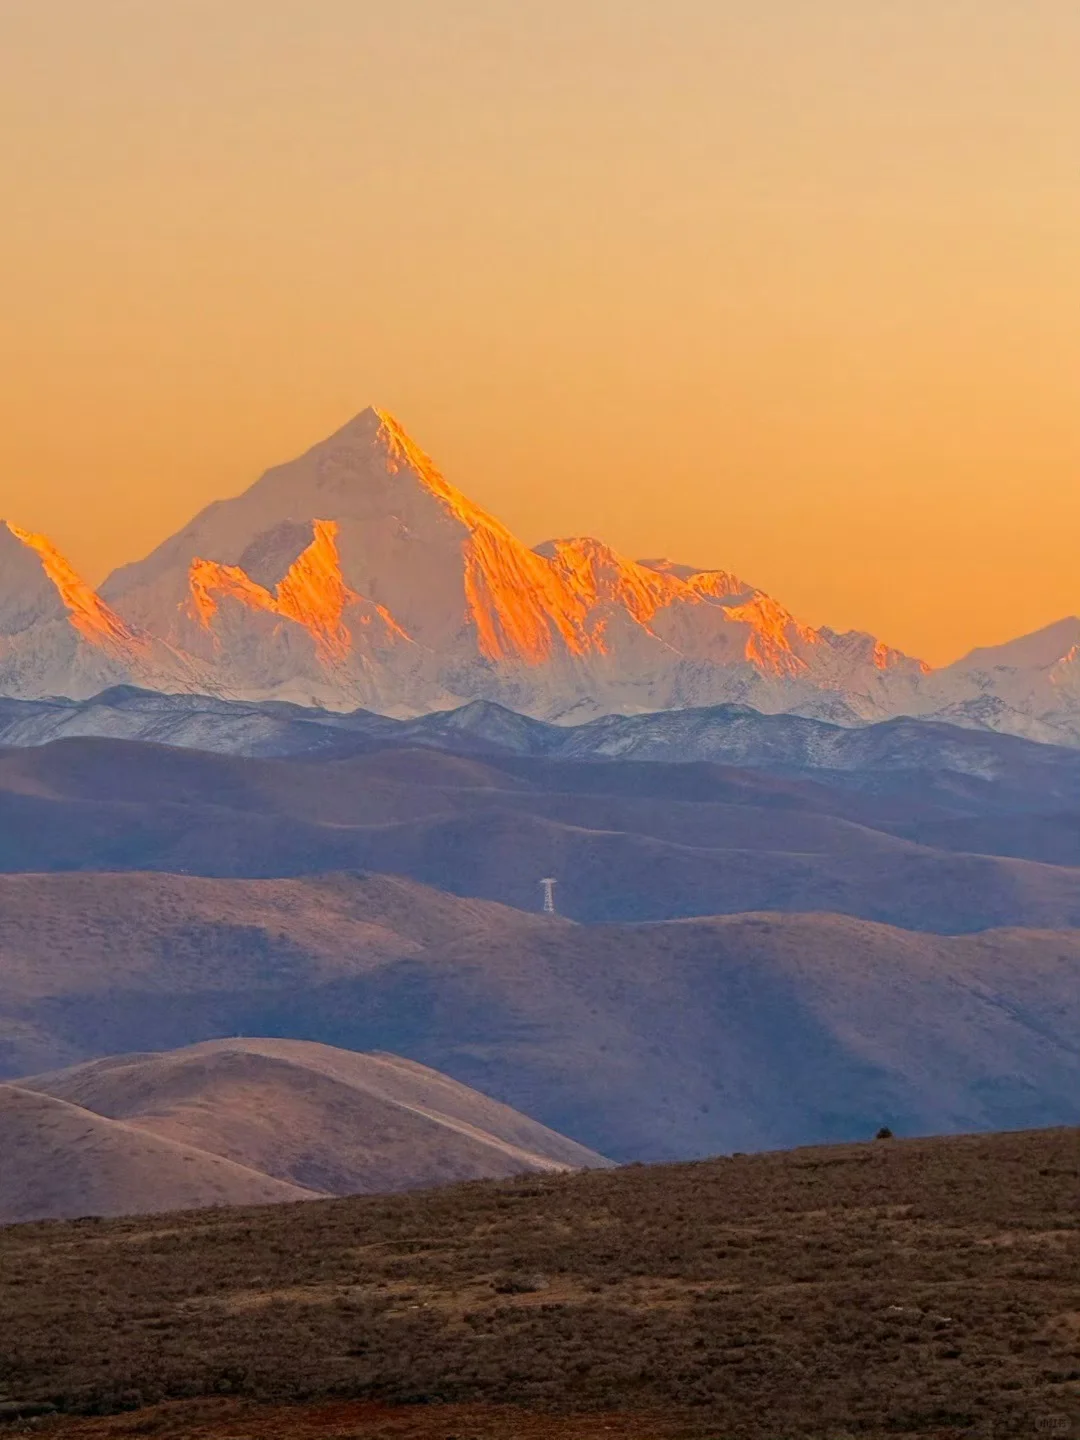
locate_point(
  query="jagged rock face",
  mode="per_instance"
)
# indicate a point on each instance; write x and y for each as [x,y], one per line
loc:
[356,575]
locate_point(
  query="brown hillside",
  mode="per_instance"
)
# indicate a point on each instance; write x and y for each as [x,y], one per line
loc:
[323,1118]
[640,1041]
[285,1118]
[61,1160]
[899,1288]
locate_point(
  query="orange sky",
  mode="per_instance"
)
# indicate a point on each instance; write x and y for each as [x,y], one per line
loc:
[790,287]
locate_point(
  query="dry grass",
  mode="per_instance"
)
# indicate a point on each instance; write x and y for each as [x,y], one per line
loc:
[919,1287]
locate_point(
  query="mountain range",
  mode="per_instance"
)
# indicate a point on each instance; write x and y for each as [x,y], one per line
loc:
[926,840]
[358,576]
[849,927]
[1014,774]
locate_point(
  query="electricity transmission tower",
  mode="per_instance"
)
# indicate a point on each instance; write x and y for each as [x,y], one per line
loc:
[548,887]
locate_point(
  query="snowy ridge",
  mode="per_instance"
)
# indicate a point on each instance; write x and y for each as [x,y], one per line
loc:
[1009,774]
[357,576]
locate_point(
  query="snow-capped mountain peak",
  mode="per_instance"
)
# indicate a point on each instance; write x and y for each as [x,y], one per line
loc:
[356,574]
[1040,649]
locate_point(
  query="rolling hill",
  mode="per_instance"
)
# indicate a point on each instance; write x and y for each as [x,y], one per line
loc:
[641,1041]
[61,1160]
[628,840]
[250,1121]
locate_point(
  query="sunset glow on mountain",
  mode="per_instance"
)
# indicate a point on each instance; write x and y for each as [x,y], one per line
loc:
[357,575]
[312,593]
[539,632]
[87,612]
[788,290]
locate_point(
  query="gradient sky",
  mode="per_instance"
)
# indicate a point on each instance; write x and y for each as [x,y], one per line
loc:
[789,287]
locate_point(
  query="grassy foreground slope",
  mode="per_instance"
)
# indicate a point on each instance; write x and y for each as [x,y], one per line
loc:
[895,1288]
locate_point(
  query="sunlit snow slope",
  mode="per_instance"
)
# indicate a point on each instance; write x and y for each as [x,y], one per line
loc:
[357,575]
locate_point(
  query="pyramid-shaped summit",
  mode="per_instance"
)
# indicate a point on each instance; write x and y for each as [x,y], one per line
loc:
[356,574]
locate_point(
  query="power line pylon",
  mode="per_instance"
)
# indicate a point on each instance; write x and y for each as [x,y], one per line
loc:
[548,887]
